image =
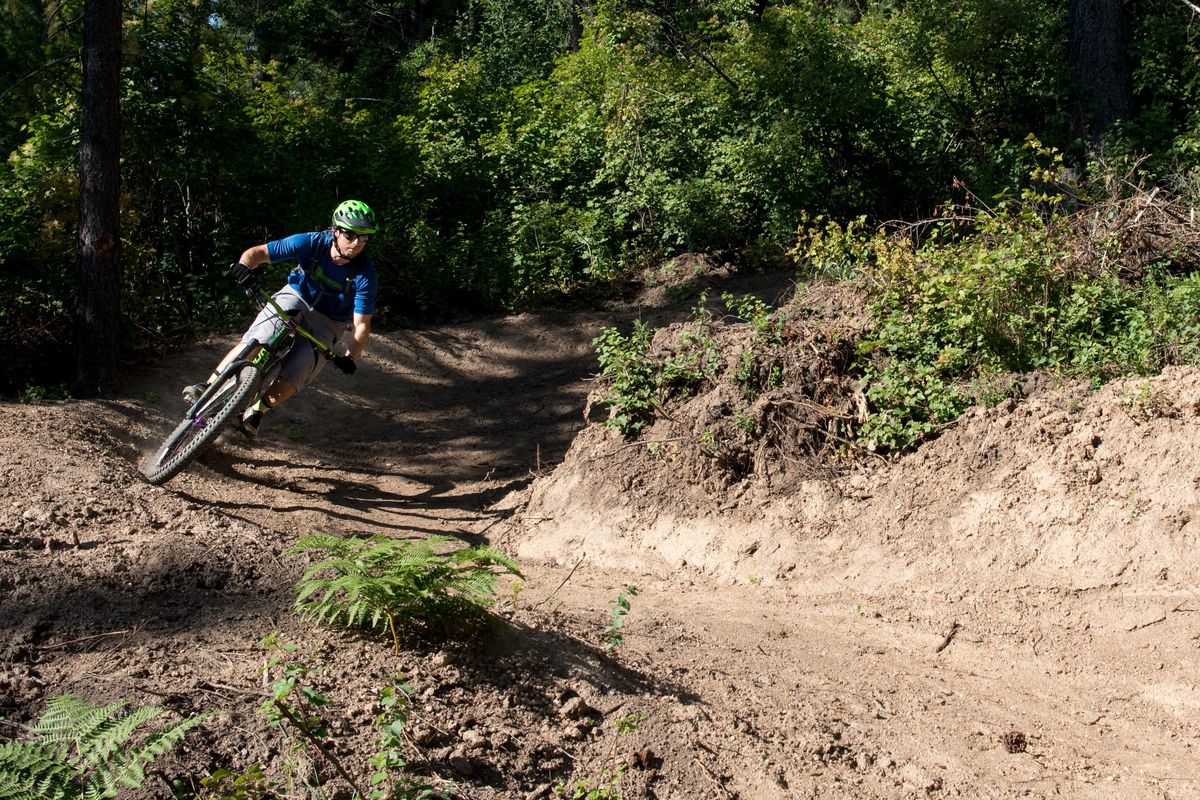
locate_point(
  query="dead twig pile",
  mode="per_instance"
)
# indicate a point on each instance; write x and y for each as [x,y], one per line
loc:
[1115,223]
[787,407]
[1132,229]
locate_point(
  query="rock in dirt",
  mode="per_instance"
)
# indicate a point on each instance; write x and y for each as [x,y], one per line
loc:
[577,708]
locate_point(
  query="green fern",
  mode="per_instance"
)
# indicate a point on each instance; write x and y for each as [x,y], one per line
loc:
[85,752]
[378,582]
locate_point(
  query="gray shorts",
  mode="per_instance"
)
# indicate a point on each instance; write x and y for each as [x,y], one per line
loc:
[302,365]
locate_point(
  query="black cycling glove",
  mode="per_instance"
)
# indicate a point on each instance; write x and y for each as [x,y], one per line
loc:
[345,364]
[243,275]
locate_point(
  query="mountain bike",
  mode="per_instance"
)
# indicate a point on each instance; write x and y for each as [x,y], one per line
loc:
[239,385]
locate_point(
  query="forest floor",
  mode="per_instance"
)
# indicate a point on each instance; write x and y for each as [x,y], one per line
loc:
[1010,611]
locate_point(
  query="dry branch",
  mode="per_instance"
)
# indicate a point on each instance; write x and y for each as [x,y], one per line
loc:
[954,628]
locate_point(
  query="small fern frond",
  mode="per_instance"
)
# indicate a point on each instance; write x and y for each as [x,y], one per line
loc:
[67,718]
[159,743]
[309,588]
[316,541]
[478,587]
[36,771]
[113,737]
[485,556]
[109,782]
[84,752]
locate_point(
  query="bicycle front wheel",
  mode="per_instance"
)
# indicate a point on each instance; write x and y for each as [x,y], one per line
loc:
[190,437]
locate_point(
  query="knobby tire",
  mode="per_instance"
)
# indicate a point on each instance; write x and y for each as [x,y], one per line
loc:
[189,438]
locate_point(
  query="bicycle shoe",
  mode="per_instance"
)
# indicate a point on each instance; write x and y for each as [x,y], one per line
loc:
[251,422]
[192,393]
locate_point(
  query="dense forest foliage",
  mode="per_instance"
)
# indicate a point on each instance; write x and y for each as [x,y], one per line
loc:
[519,148]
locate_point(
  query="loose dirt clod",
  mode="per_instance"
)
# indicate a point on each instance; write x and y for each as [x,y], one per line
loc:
[1013,741]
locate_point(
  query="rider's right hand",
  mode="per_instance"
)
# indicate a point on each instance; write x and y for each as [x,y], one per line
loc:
[243,275]
[345,364]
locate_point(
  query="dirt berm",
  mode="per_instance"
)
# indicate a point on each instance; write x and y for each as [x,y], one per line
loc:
[1009,611]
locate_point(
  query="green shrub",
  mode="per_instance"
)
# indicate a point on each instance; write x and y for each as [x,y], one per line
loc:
[956,314]
[613,635]
[297,709]
[639,383]
[626,365]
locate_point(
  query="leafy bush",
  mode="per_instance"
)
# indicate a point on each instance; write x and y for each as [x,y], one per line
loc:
[968,80]
[758,367]
[391,777]
[631,373]
[381,583]
[85,751]
[957,313]
[225,784]
[639,382]
[827,249]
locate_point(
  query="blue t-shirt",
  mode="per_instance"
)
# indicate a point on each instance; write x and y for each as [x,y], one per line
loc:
[321,282]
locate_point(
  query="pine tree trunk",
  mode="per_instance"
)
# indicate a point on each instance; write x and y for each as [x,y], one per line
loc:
[97,296]
[1100,64]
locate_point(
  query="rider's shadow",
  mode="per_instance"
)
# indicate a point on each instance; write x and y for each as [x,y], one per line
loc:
[360,502]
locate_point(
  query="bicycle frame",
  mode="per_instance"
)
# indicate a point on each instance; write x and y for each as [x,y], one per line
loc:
[265,355]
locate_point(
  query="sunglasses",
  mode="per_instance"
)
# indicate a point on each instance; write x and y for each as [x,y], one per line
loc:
[352,237]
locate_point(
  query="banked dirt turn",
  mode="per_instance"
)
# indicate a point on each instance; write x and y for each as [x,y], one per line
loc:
[1009,611]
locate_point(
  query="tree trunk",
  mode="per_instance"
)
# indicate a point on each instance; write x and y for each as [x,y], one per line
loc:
[98,274]
[1100,64]
[574,27]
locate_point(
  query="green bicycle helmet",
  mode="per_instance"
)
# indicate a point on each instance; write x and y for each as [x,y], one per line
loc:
[355,215]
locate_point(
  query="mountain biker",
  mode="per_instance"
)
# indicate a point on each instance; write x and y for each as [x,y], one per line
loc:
[331,293]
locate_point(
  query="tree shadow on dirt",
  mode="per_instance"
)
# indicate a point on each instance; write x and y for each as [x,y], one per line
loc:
[365,488]
[167,602]
[191,595]
[541,650]
[570,658]
[492,391]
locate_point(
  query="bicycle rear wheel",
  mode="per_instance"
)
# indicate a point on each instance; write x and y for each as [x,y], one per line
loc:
[186,441]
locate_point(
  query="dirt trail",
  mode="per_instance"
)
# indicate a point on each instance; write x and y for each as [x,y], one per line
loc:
[1011,611]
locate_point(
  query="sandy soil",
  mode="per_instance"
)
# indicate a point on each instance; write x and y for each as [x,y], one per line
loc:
[1006,612]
